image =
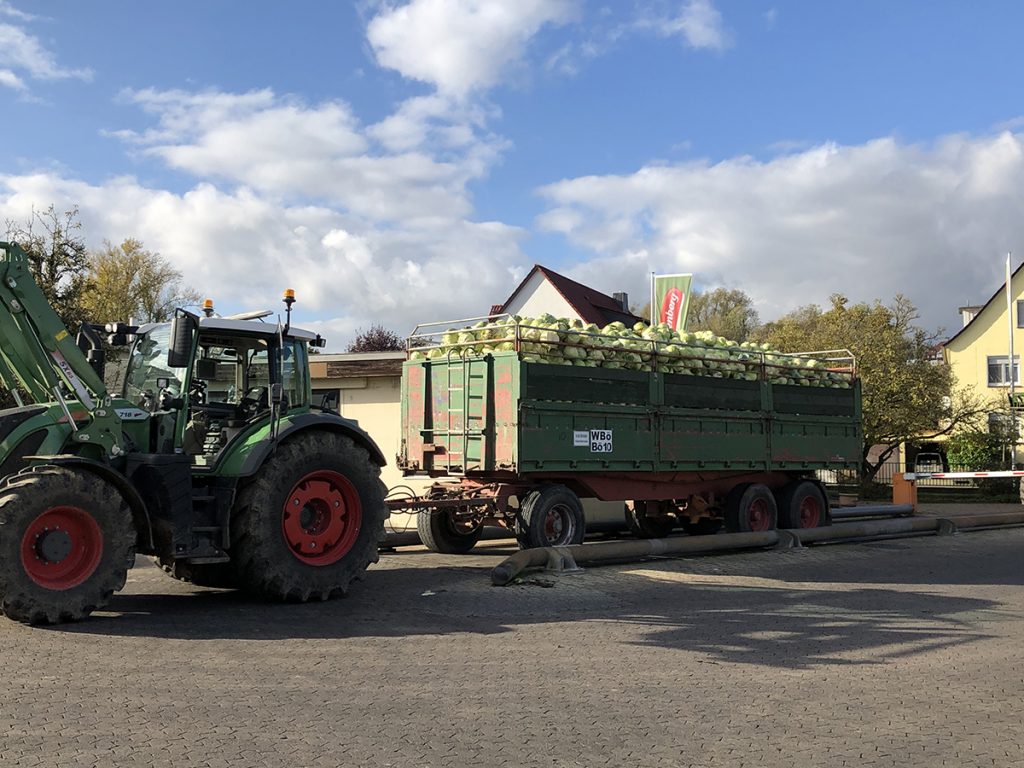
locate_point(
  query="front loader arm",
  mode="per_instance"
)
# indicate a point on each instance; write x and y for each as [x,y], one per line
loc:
[37,353]
[39,357]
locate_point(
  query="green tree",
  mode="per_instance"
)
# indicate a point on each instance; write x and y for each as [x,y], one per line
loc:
[975,450]
[723,311]
[376,338]
[57,257]
[129,281]
[908,392]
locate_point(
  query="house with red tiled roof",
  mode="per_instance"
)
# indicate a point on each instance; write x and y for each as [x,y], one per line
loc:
[544,290]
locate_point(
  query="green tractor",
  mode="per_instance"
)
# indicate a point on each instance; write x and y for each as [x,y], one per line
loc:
[211,457]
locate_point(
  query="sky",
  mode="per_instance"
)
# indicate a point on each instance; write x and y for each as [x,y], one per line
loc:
[407,161]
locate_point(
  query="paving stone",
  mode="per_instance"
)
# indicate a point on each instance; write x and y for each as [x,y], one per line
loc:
[900,653]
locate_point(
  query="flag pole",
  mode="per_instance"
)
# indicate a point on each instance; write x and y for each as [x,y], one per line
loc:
[652,299]
[1012,368]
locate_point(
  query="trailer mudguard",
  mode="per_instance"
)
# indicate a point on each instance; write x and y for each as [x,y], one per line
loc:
[295,424]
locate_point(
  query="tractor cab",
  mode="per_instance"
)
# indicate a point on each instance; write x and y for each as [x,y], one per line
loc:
[216,381]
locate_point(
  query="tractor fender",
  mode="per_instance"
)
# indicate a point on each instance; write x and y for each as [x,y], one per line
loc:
[140,515]
[326,421]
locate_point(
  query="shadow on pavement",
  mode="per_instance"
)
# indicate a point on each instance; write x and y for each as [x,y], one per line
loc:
[781,625]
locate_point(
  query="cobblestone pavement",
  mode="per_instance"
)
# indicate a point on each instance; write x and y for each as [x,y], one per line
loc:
[905,652]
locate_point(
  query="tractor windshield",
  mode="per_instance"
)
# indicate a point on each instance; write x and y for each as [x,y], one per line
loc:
[147,364]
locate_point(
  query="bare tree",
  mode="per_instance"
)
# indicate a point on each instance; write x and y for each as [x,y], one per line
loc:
[376,338]
[57,257]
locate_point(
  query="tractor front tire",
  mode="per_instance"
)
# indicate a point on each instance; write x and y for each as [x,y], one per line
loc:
[310,522]
[67,541]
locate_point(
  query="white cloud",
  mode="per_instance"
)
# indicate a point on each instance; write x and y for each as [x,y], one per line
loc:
[24,53]
[288,149]
[11,80]
[6,9]
[868,221]
[460,46]
[243,249]
[368,224]
[698,22]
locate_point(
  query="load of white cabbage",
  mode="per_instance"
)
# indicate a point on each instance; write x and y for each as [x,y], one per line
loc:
[558,341]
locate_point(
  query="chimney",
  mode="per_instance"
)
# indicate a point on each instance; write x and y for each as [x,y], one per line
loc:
[969,313]
[622,299]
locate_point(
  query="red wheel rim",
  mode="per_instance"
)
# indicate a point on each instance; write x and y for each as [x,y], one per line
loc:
[810,513]
[61,548]
[556,521]
[321,518]
[759,516]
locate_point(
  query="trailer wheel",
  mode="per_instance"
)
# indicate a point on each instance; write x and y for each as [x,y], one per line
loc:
[802,505]
[441,532]
[750,507]
[217,575]
[67,541]
[550,516]
[647,527]
[310,523]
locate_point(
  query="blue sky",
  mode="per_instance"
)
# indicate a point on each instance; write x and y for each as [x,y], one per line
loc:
[409,161]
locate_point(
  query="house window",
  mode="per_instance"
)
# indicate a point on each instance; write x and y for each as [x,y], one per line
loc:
[327,398]
[1020,314]
[999,371]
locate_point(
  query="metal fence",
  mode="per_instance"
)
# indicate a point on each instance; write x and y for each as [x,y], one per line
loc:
[854,477]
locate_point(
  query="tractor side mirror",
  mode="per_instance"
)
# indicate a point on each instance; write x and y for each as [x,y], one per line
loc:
[183,330]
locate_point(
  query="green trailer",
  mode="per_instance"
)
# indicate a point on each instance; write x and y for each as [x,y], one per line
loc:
[518,444]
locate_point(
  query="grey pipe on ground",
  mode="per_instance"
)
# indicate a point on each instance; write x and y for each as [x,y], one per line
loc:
[567,558]
[988,520]
[619,551]
[872,510]
[862,528]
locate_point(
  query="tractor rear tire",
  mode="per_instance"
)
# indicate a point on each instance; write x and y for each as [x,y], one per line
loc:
[310,522]
[67,541]
[439,532]
[551,516]
[216,575]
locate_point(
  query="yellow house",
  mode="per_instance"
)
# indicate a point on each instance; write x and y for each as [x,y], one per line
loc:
[979,354]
